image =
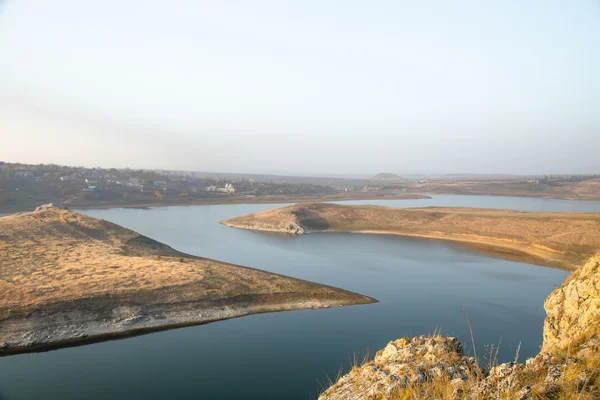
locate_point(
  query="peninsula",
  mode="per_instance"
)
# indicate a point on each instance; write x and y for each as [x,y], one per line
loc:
[553,239]
[67,278]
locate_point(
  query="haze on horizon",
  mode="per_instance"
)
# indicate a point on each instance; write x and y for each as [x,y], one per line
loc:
[309,87]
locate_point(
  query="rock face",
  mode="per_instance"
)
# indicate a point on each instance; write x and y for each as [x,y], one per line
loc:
[49,206]
[573,308]
[290,228]
[403,363]
[436,367]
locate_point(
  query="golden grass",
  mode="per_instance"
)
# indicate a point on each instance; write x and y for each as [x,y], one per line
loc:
[57,255]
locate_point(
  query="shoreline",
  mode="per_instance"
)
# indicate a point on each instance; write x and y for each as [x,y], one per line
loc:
[559,240]
[299,199]
[519,194]
[509,252]
[514,252]
[224,201]
[92,326]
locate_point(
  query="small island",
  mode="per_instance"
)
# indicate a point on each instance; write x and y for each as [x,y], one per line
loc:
[562,240]
[67,278]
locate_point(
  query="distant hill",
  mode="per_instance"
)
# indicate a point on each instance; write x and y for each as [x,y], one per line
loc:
[387,175]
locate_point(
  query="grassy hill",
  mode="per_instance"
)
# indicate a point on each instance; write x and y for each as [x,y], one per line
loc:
[67,277]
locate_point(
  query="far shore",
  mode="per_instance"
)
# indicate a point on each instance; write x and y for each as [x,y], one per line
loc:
[344,196]
[274,199]
[553,239]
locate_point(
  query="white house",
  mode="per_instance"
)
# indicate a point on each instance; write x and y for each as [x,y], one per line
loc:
[228,188]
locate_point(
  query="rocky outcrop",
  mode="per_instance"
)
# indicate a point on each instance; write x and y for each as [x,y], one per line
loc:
[573,308]
[49,206]
[404,363]
[290,228]
[436,367]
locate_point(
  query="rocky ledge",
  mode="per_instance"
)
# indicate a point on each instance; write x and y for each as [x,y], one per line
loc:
[436,367]
[50,206]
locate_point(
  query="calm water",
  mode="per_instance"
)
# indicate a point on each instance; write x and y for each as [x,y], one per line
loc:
[422,285]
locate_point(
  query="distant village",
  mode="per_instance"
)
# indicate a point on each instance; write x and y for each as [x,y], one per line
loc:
[78,185]
[24,186]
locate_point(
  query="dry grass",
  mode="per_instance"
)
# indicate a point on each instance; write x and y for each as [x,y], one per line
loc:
[584,190]
[57,255]
[579,380]
[555,239]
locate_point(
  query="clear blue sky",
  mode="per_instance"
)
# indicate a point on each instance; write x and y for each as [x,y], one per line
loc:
[322,86]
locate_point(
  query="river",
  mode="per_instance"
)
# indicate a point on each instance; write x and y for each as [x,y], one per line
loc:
[422,285]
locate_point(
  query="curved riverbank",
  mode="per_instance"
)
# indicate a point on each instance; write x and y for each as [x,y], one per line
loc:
[86,321]
[560,240]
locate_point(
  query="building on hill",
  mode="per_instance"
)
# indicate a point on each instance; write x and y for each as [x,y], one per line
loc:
[228,188]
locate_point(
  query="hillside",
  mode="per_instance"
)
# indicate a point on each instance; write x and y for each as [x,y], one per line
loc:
[387,175]
[554,239]
[588,189]
[436,367]
[67,278]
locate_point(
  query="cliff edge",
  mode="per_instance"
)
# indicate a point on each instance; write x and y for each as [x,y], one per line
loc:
[435,367]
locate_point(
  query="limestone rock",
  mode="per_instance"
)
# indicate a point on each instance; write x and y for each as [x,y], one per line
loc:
[573,308]
[404,362]
[49,206]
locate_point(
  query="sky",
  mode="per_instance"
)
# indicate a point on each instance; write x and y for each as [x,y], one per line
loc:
[303,87]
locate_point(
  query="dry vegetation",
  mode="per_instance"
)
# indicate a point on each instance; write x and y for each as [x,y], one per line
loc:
[588,189]
[555,239]
[548,376]
[56,258]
